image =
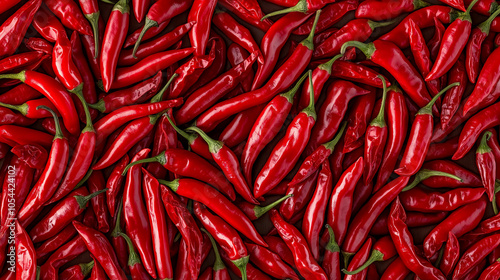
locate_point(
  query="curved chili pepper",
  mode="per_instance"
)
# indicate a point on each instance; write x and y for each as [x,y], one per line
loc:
[119,244]
[6,5]
[13,62]
[17,135]
[150,33]
[98,272]
[55,92]
[454,41]
[357,120]
[129,96]
[383,249]
[13,29]
[413,219]
[468,178]
[180,271]
[451,100]
[361,256]
[201,12]
[96,183]
[90,10]
[238,130]
[279,247]
[26,267]
[330,14]
[112,42]
[8,117]
[114,184]
[495,148]
[70,15]
[236,54]
[384,10]
[485,162]
[269,262]
[459,222]
[189,73]
[281,80]
[19,95]
[457,4]
[301,193]
[165,137]
[203,193]
[254,212]
[64,67]
[475,254]
[249,11]
[396,270]
[53,243]
[421,200]
[304,260]
[89,48]
[331,260]
[450,256]
[61,256]
[403,241]
[77,272]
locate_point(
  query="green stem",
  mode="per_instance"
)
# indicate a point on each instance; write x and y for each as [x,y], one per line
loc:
[309,41]
[379,120]
[327,66]
[189,137]
[332,245]
[83,200]
[94,22]
[483,146]
[494,204]
[213,145]
[427,109]
[310,109]
[37,272]
[331,145]
[346,257]
[59,134]
[218,263]
[376,24]
[261,210]
[23,108]
[440,257]
[301,7]
[86,267]
[21,76]
[419,4]
[147,25]
[425,174]
[173,185]
[366,49]
[160,158]
[376,256]
[99,106]
[118,224]
[159,96]
[89,127]
[486,25]
[133,257]
[241,264]
[291,93]
[471,5]
[84,179]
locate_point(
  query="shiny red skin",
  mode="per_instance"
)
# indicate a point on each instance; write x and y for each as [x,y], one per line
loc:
[475,254]
[486,164]
[330,14]
[385,10]
[358,120]
[19,95]
[249,11]
[25,254]
[70,15]
[152,32]
[16,135]
[424,201]
[238,130]
[396,270]
[269,262]
[451,100]
[21,60]
[359,259]
[96,182]
[200,11]
[53,243]
[492,272]
[61,256]
[375,141]
[63,65]
[413,219]
[450,256]
[235,55]
[469,179]
[279,247]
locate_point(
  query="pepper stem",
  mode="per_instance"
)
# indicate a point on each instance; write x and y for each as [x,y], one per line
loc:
[37,272]
[133,257]
[379,120]
[427,109]
[213,145]
[346,256]
[261,210]
[327,66]
[291,93]
[21,76]
[440,257]
[486,25]
[483,146]
[23,108]
[331,145]
[377,24]
[86,267]
[425,174]
[419,4]
[94,22]
[148,23]
[118,224]
[89,127]
[160,158]
[218,263]
[59,134]
[332,245]
[376,256]
[83,200]
[309,40]
[471,5]
[310,110]
[173,185]
[84,179]
[99,106]
[181,132]
[301,6]
[159,96]
[241,264]
[366,49]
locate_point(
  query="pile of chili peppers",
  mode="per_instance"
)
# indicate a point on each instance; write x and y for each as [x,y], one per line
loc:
[252,139]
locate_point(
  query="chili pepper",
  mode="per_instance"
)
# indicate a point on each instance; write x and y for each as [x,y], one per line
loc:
[25,254]
[488,46]
[129,96]
[269,262]
[330,14]
[180,271]
[357,120]
[331,113]
[61,256]
[137,270]
[114,36]
[6,5]
[254,212]
[450,256]
[190,72]
[384,10]
[70,15]
[236,54]
[361,256]
[78,271]
[492,272]
[28,109]
[98,272]
[304,260]
[281,79]
[468,178]
[197,145]
[413,219]
[91,11]
[452,99]
[207,274]
[47,25]
[403,241]
[55,242]
[114,183]
[17,135]
[420,137]
[435,42]
[475,254]
[13,29]
[459,222]
[424,174]
[165,137]
[279,247]
[185,163]
[151,33]
[202,193]
[9,64]
[51,176]
[249,11]
[495,148]
[318,157]
[396,270]
[240,127]
[301,193]
[119,244]
[383,249]
[485,162]
[96,183]
[89,47]
[227,160]
[9,117]
[420,200]
[331,260]
[272,43]
[19,95]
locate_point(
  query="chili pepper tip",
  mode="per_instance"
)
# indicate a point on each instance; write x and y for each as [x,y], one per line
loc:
[148,23]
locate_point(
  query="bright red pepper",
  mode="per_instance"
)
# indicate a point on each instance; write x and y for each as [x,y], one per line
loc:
[70,15]
[384,10]
[249,11]
[61,256]
[50,245]
[475,254]
[486,163]
[97,183]
[269,262]
[423,201]
[450,256]
[238,130]
[396,270]
[26,267]
[77,271]
[331,260]
[330,14]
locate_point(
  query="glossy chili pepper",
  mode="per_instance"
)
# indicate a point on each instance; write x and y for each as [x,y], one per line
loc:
[47,25]
[475,254]
[165,137]
[459,222]
[495,148]
[8,117]
[189,73]
[19,95]
[331,113]
[413,219]
[281,80]
[420,137]
[55,92]
[272,43]
[26,267]
[97,183]
[17,135]
[91,11]
[486,163]
[28,109]
[61,256]
[13,62]
[129,96]
[98,272]
[51,176]
[113,39]
[13,29]
[101,249]
[77,272]
[114,184]
[136,215]
[238,130]
[119,244]
[384,10]
[53,243]
[236,54]
[450,256]
[64,67]
[492,272]
[357,120]
[269,262]
[383,249]
[150,33]
[330,14]
[70,15]
[331,260]
[403,241]
[301,193]
[203,193]
[6,5]
[451,100]
[435,42]
[90,48]
[454,41]
[361,257]
[488,46]
[180,271]
[421,200]
[163,11]
[201,12]
[396,270]
[304,260]
[185,163]
[249,11]
[279,247]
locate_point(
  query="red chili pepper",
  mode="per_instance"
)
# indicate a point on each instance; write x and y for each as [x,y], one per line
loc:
[452,98]
[413,219]
[61,256]
[28,109]
[136,215]
[330,14]
[19,95]
[236,54]
[190,72]
[17,135]
[90,48]
[488,46]
[269,262]
[249,11]
[70,15]
[9,117]
[47,25]
[183,261]
[459,222]
[165,137]
[238,130]
[475,254]
[281,80]
[19,61]
[279,247]
[98,272]
[383,249]
[120,244]
[96,183]
[396,270]
[403,241]
[421,200]
[91,11]
[53,243]
[485,162]
[331,260]
[6,5]
[384,10]
[150,33]
[361,256]
[202,193]
[114,36]
[13,29]
[450,256]
[492,272]
[25,254]
[77,272]
[357,120]
[304,260]
[114,184]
